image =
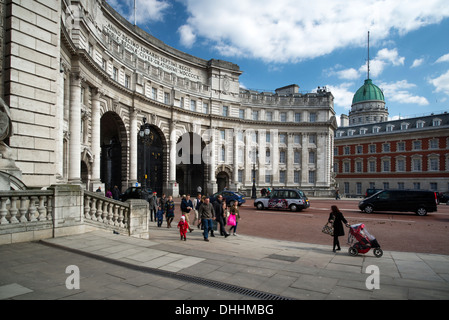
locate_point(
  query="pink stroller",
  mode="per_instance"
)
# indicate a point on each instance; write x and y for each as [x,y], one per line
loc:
[365,241]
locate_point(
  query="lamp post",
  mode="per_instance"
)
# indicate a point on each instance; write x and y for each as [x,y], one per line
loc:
[145,139]
[254,190]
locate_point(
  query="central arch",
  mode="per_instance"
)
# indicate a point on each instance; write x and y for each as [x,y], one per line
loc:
[191,170]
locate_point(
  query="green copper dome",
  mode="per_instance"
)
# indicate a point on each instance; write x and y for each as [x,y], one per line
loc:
[367,92]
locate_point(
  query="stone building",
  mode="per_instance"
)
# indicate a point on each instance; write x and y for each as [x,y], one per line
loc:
[80,80]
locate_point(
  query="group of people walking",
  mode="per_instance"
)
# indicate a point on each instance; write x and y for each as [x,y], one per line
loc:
[206,214]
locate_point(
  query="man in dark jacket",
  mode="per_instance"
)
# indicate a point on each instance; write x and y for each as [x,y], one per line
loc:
[219,215]
[206,214]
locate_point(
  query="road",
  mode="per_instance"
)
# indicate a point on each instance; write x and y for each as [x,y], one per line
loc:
[394,231]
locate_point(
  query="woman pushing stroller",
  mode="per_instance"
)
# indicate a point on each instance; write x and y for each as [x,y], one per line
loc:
[337,219]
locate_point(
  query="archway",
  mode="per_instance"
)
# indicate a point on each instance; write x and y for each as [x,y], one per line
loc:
[191,170]
[154,161]
[113,150]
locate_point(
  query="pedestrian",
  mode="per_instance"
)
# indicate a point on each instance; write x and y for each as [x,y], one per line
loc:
[169,211]
[108,193]
[162,201]
[152,200]
[183,225]
[234,217]
[159,216]
[336,218]
[196,205]
[206,213]
[337,194]
[220,215]
[116,193]
[186,207]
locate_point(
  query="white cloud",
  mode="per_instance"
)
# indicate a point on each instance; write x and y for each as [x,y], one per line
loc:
[343,95]
[399,92]
[293,30]
[416,63]
[188,38]
[444,58]
[147,10]
[441,83]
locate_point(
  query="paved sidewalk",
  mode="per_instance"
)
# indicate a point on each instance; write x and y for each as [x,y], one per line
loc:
[114,266]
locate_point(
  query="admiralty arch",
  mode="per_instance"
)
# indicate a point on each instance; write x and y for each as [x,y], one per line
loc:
[81,81]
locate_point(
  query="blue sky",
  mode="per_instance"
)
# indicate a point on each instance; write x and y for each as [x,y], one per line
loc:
[315,43]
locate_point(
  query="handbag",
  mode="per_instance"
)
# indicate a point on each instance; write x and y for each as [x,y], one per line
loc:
[231,220]
[328,229]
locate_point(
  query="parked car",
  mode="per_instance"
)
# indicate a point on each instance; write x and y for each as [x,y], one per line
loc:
[418,201]
[443,197]
[133,193]
[230,196]
[293,199]
[371,191]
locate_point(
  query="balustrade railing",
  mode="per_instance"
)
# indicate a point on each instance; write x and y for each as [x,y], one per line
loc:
[26,206]
[105,212]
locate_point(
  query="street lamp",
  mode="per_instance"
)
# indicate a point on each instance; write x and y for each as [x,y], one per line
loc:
[145,139]
[254,190]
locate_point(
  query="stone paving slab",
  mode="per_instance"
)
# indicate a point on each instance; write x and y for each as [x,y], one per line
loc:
[289,269]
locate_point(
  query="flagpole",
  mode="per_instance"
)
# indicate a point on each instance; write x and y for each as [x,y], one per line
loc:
[134,12]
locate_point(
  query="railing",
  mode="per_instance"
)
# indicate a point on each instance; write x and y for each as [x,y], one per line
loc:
[26,206]
[105,212]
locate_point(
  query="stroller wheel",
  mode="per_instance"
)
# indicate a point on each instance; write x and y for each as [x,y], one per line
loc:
[378,252]
[353,251]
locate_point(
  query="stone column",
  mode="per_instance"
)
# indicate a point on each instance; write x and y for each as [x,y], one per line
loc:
[173,187]
[133,131]
[305,159]
[236,159]
[212,185]
[75,129]
[290,160]
[96,137]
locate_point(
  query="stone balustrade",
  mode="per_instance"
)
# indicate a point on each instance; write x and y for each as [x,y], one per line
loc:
[26,206]
[62,210]
[105,212]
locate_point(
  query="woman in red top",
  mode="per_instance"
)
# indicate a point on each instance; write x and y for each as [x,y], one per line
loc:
[183,226]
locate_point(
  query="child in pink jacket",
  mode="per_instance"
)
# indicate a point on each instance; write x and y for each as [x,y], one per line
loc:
[183,226]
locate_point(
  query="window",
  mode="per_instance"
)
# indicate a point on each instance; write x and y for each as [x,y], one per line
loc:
[372,148]
[312,157]
[359,149]
[433,144]
[419,124]
[297,139]
[297,157]
[269,116]
[115,74]
[282,176]
[312,138]
[192,105]
[404,126]
[223,134]
[400,165]
[358,187]
[268,137]
[363,130]
[312,117]
[346,187]
[386,147]
[347,150]
[205,108]
[154,93]
[433,164]
[256,115]
[358,166]
[223,154]
[127,81]
[311,176]
[242,113]
[436,122]
[416,185]
[166,98]
[283,117]
[240,176]
[268,178]
[434,186]
[417,145]
[297,117]
[376,129]
[401,146]
[282,157]
[390,128]
[296,176]
[401,185]
[283,138]
[346,167]
[416,164]
[386,185]
[225,111]
[372,166]
[385,165]
[268,157]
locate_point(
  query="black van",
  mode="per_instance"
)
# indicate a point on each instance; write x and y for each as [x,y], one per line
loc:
[417,201]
